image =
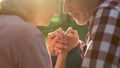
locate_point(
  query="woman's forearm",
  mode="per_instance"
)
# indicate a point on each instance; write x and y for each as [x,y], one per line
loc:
[61,60]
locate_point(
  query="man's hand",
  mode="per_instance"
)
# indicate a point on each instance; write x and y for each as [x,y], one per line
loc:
[72,38]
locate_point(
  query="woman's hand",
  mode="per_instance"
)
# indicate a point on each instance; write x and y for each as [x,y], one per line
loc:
[53,39]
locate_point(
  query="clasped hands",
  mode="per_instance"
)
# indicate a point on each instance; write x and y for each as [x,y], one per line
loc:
[60,41]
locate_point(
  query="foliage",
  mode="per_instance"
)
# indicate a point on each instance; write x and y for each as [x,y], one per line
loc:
[63,21]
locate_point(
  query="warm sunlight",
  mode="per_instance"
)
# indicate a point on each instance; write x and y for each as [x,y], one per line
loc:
[1,0]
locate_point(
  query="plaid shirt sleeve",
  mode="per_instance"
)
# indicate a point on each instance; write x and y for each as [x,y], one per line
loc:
[103,50]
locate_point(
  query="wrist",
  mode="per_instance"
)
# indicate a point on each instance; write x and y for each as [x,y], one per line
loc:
[61,60]
[51,52]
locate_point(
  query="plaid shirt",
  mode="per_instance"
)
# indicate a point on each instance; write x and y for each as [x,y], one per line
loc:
[103,40]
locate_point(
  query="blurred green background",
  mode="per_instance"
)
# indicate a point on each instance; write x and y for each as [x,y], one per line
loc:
[64,21]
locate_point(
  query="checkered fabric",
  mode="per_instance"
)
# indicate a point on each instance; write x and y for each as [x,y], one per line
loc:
[103,44]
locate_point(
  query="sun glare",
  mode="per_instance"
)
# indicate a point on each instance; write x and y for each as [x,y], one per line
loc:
[1,0]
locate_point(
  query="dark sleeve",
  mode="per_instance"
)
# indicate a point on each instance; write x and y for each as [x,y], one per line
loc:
[74,58]
[54,59]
